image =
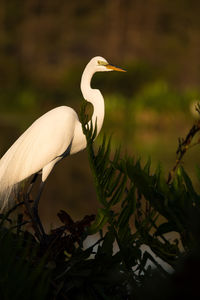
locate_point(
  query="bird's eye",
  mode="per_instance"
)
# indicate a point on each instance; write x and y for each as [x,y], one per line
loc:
[102,63]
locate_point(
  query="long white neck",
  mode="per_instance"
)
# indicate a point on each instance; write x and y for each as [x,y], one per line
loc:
[93,96]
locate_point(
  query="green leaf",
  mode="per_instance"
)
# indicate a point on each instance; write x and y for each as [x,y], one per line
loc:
[107,246]
[100,221]
[188,182]
[147,166]
[118,192]
[128,209]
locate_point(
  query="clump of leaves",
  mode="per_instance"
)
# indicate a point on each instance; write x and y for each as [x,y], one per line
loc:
[22,274]
[139,208]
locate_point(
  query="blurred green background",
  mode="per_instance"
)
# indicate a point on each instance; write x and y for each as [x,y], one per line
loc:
[44,47]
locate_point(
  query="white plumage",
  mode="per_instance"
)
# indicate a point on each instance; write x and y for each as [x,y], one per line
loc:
[54,135]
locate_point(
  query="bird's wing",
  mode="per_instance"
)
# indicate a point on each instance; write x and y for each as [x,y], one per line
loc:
[47,138]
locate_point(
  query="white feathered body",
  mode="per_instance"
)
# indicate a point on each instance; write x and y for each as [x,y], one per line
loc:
[40,147]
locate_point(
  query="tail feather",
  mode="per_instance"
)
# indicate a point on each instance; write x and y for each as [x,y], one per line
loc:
[8,180]
[14,169]
[7,197]
[7,189]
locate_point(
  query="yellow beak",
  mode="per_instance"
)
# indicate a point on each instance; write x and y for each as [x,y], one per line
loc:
[109,66]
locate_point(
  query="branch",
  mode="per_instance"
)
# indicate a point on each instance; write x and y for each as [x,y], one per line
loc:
[183,147]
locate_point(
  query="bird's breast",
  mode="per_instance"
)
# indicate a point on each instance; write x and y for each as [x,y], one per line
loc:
[79,140]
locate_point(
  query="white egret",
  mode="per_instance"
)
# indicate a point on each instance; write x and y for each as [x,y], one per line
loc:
[54,135]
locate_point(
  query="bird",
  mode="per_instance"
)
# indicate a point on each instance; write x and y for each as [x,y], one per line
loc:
[53,136]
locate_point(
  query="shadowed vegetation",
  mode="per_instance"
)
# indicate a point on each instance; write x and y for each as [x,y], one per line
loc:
[138,208]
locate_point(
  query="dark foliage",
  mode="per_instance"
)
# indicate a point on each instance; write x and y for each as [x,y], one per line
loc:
[138,208]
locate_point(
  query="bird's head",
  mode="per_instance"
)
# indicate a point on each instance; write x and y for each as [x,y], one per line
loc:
[100,64]
[96,64]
